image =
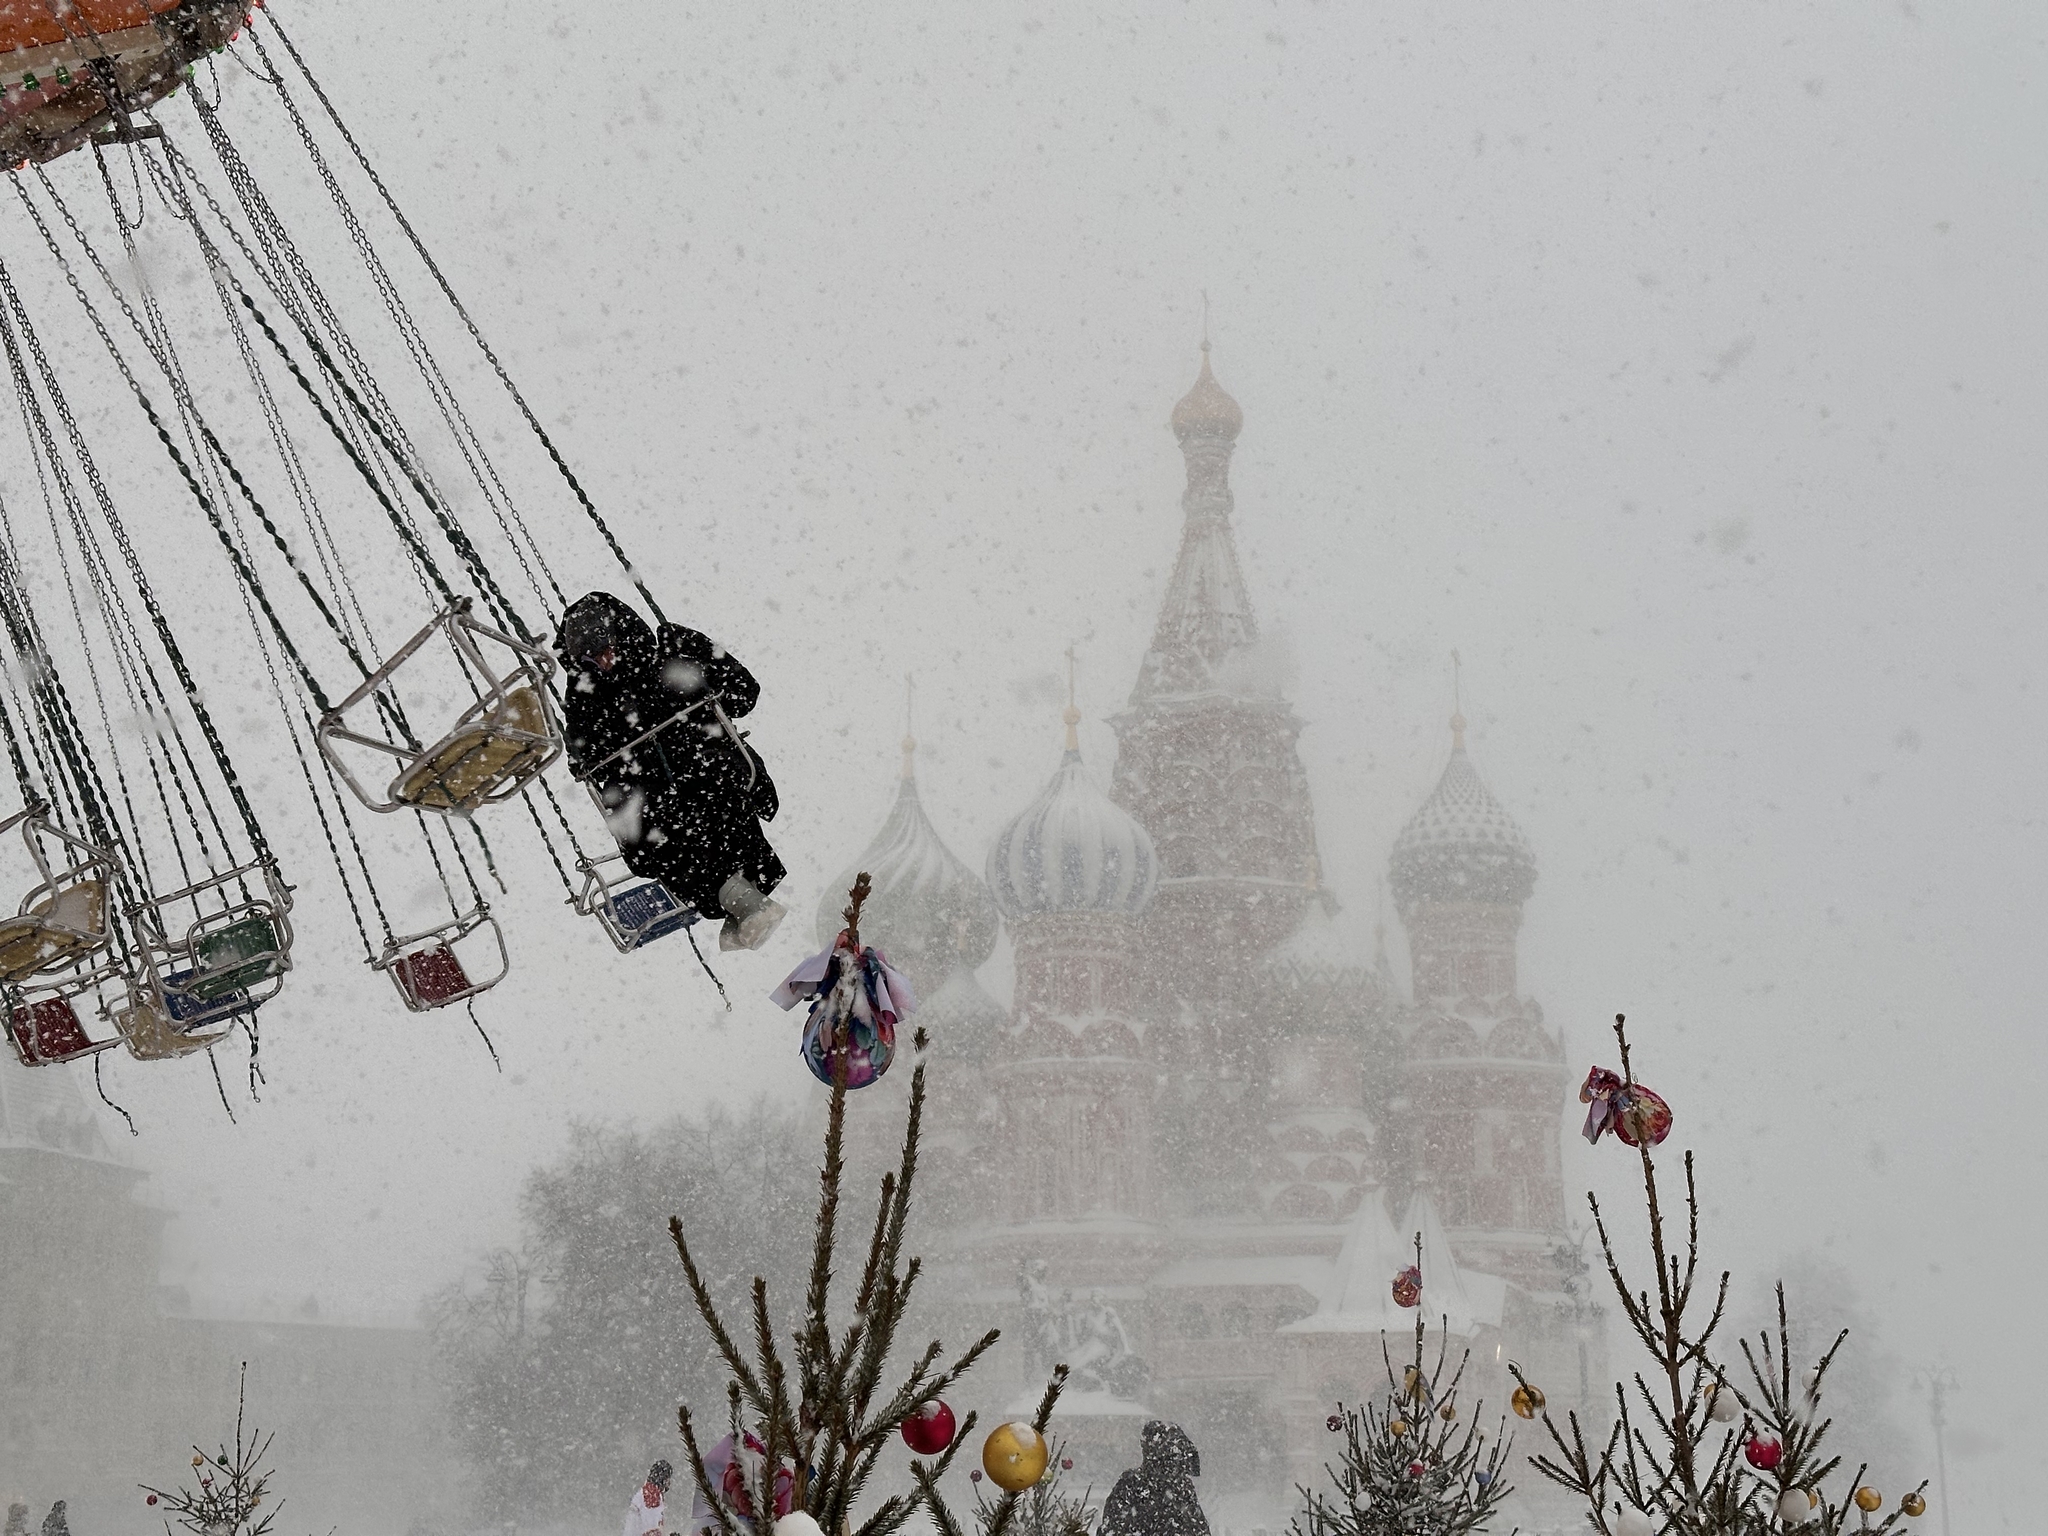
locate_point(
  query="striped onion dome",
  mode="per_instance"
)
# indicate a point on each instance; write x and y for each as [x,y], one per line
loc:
[927,911]
[1073,850]
[1461,845]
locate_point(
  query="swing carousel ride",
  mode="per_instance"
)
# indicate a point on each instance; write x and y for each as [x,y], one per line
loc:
[196,367]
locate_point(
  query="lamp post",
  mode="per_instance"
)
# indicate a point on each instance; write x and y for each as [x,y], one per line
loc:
[1939,1381]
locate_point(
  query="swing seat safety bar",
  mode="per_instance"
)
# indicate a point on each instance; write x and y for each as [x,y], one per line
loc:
[500,744]
[62,923]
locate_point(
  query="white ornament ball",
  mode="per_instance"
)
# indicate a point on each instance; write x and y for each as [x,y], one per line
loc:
[1722,1407]
[1811,1381]
[1794,1507]
[797,1523]
[1633,1522]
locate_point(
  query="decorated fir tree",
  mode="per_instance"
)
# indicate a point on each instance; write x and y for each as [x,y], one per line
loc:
[1413,1464]
[1697,1449]
[808,1422]
[233,1484]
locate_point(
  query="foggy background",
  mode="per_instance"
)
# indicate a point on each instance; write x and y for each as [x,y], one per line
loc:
[1683,370]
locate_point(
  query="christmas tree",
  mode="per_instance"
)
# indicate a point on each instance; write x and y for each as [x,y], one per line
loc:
[1691,1451]
[808,1426]
[1410,1466]
[233,1484]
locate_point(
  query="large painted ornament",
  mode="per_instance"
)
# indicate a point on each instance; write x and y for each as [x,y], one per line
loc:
[856,1003]
[929,1429]
[1637,1116]
[1408,1287]
[1014,1456]
[736,1473]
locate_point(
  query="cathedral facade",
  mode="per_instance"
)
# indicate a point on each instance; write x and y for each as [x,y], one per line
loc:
[1190,1154]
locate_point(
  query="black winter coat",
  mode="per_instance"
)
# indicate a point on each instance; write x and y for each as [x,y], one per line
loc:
[1157,1497]
[686,803]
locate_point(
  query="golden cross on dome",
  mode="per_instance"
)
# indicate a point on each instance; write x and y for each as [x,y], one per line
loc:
[1457,703]
[1073,714]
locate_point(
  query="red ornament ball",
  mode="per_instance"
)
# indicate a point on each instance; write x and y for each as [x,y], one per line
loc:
[974,1476]
[929,1430]
[1764,1452]
[1333,1424]
[1415,1469]
[1408,1287]
[151,1501]
[1644,1119]
[1066,1463]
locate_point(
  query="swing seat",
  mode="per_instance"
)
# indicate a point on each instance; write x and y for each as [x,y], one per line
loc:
[187,1009]
[151,1033]
[49,1031]
[430,978]
[647,912]
[63,927]
[232,959]
[482,760]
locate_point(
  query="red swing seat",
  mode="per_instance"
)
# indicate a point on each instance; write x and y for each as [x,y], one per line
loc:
[48,1031]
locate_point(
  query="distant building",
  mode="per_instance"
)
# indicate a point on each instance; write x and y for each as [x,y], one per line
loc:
[1194,1149]
[107,1380]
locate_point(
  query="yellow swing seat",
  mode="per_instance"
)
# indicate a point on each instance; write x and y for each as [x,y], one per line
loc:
[61,928]
[473,763]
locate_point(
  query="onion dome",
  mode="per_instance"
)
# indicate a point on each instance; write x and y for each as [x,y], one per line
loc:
[1461,845]
[927,910]
[1073,849]
[1205,410]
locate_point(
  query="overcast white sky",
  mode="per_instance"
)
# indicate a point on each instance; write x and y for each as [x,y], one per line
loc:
[1682,367]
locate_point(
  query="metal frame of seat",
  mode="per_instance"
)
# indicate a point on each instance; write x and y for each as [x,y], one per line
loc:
[401,959]
[600,897]
[492,720]
[82,957]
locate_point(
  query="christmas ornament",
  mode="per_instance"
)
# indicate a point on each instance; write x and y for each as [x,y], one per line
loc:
[1333,1424]
[1633,1522]
[198,1461]
[1811,1381]
[1869,1500]
[1527,1402]
[1397,1428]
[737,1472]
[1014,1456]
[1448,1412]
[1415,1469]
[929,1429]
[1066,1463]
[151,1501]
[1636,1115]
[797,1523]
[974,1477]
[1414,1383]
[1722,1407]
[1794,1507]
[856,1002]
[1483,1479]
[1764,1452]
[1913,1505]
[1408,1287]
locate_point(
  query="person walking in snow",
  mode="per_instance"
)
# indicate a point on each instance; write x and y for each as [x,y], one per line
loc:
[1157,1497]
[54,1523]
[685,797]
[17,1519]
[644,1516]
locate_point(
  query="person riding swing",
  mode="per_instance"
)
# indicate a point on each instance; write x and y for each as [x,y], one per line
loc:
[650,730]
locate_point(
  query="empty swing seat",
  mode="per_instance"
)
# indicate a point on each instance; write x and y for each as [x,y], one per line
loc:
[64,926]
[473,762]
[232,959]
[648,911]
[49,1031]
[153,1034]
[431,978]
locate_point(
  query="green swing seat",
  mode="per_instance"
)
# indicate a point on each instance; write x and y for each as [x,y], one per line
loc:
[234,958]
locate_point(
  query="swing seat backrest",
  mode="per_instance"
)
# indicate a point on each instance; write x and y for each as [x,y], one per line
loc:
[187,1010]
[49,1031]
[481,760]
[234,958]
[646,912]
[60,927]
[431,978]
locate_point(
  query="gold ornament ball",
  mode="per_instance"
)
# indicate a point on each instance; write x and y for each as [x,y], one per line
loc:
[1869,1500]
[1397,1428]
[1412,1383]
[1448,1412]
[1913,1505]
[1014,1456]
[1527,1402]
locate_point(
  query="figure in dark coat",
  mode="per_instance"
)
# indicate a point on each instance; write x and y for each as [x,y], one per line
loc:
[1157,1497]
[54,1523]
[686,801]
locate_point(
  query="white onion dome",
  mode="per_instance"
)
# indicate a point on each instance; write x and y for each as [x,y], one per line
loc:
[927,910]
[1073,850]
[1461,845]
[1205,410]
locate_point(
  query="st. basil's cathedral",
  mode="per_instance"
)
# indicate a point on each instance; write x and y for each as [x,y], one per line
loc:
[1192,1153]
